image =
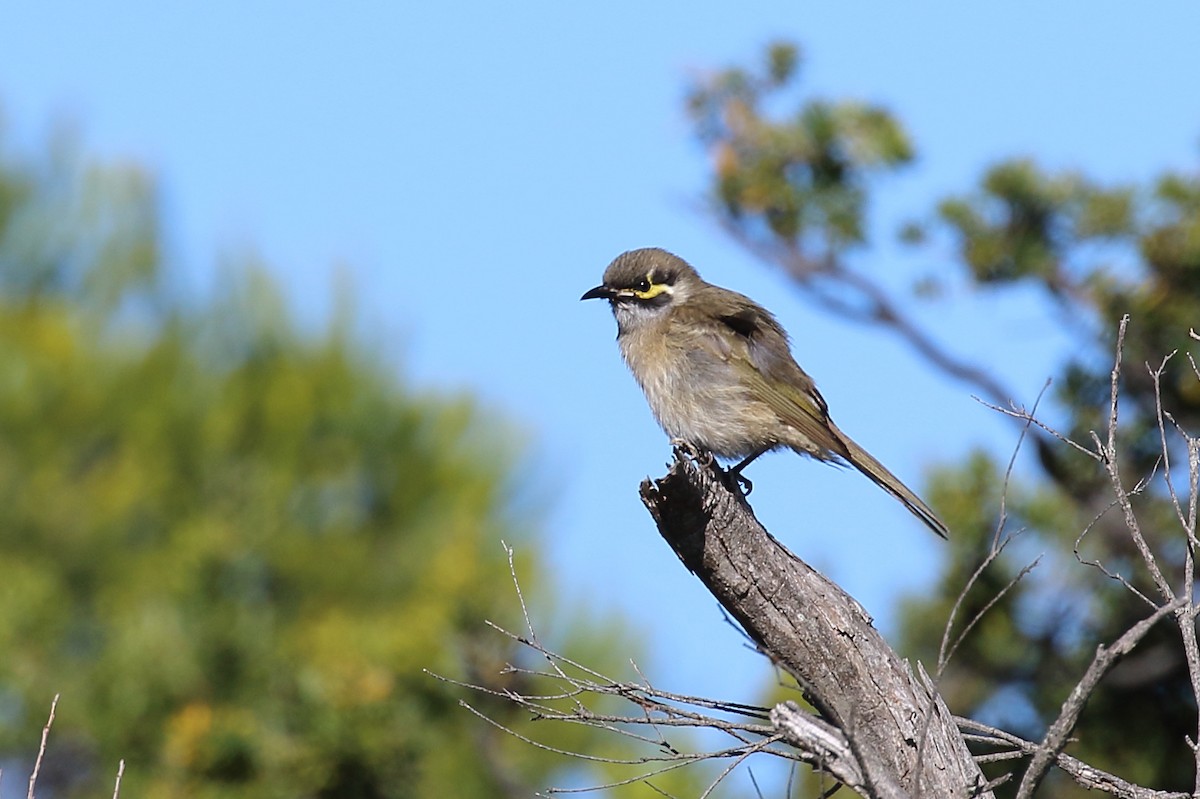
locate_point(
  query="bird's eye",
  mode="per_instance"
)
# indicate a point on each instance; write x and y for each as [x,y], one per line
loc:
[643,285]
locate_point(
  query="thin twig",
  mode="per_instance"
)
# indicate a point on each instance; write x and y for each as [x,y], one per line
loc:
[1099,565]
[1025,570]
[120,773]
[1114,473]
[713,704]
[37,763]
[512,570]
[1195,368]
[646,708]
[1186,617]
[1156,379]
[1084,774]
[658,710]
[725,772]
[1012,462]
[630,761]
[945,650]
[1027,417]
[1056,736]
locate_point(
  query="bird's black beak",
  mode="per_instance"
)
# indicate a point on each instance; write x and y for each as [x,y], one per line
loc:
[599,293]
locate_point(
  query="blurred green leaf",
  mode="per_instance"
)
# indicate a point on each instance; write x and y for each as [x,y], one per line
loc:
[233,544]
[798,179]
[791,178]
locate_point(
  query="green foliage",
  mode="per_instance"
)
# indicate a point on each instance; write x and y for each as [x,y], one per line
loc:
[792,179]
[1100,252]
[1025,223]
[793,186]
[233,546]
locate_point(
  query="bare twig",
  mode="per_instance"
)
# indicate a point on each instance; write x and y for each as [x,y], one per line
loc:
[1028,418]
[1085,775]
[1012,461]
[1195,368]
[120,774]
[37,763]
[1056,736]
[947,650]
[657,711]
[1109,449]
[943,661]
[512,570]
[825,743]
[1156,378]
[678,758]
[729,769]
[1186,617]
[1099,565]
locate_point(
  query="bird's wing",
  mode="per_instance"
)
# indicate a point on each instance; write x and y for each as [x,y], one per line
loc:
[759,350]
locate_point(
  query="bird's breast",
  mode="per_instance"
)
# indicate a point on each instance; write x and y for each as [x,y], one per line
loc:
[697,396]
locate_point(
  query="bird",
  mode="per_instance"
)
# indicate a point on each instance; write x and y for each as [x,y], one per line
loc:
[718,372]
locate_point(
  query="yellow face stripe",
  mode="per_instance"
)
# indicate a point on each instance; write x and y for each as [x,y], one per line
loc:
[652,292]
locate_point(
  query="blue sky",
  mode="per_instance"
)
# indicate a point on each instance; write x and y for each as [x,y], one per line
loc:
[473,167]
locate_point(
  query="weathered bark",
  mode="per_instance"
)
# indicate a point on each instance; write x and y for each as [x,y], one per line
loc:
[905,740]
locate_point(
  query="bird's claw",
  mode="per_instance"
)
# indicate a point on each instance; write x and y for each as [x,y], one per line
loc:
[704,457]
[690,451]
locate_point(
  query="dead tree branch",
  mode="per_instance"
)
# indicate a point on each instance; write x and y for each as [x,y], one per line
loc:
[1186,615]
[1106,657]
[880,729]
[826,742]
[1085,775]
[817,633]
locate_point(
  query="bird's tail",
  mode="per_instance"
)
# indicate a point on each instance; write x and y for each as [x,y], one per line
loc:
[879,474]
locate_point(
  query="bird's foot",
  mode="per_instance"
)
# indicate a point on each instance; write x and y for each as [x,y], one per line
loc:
[741,480]
[736,471]
[687,449]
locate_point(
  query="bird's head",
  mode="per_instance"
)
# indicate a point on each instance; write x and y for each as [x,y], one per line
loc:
[642,285]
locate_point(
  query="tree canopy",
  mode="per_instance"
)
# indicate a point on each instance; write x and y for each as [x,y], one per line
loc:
[791,179]
[231,541]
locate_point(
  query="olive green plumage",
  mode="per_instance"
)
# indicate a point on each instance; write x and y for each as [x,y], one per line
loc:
[718,373]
